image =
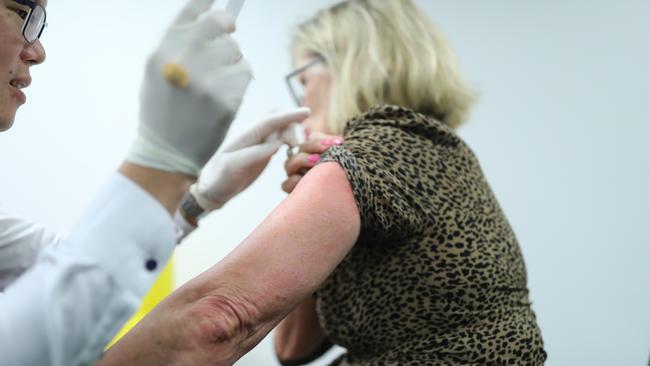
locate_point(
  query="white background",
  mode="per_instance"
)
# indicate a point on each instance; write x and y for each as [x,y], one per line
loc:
[561,130]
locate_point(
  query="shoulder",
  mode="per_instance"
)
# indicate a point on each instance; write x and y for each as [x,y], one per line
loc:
[395,159]
[392,125]
[325,192]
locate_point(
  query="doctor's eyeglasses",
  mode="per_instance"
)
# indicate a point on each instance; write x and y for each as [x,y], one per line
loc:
[296,87]
[34,20]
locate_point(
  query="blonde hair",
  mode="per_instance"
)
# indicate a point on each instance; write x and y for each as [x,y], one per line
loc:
[384,52]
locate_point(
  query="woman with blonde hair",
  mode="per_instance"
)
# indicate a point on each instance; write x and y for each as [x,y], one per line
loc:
[391,243]
[436,275]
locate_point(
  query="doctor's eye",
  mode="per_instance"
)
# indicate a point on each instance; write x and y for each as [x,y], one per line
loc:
[21,13]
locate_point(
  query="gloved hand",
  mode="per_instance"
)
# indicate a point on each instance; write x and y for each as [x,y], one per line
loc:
[193,85]
[237,165]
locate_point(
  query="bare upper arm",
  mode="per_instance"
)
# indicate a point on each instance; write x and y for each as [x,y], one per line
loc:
[296,247]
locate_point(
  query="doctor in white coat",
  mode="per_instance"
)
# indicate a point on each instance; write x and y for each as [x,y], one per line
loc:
[62,299]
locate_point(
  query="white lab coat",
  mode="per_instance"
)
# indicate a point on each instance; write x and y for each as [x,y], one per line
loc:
[76,294]
[20,243]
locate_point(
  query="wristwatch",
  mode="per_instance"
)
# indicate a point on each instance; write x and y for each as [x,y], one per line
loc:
[192,207]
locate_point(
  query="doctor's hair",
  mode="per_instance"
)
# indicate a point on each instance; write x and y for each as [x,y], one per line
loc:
[384,52]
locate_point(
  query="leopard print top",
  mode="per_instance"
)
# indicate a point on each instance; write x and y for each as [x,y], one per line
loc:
[436,276]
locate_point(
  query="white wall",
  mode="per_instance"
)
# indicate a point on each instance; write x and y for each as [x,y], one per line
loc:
[560,129]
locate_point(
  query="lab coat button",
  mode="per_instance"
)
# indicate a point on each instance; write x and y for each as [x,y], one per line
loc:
[151,264]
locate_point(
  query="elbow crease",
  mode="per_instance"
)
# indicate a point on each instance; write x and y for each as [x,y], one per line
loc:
[226,318]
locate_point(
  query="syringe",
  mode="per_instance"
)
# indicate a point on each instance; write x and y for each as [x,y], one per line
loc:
[234,7]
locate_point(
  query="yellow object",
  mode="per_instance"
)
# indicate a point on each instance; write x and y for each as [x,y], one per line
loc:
[163,286]
[176,75]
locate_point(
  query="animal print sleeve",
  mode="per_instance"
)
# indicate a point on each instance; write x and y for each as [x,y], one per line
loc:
[380,178]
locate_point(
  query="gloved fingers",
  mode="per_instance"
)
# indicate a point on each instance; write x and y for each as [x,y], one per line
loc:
[212,25]
[278,121]
[274,136]
[192,10]
[227,174]
[294,135]
[300,162]
[270,127]
[228,84]
[291,182]
[253,154]
[267,149]
[215,54]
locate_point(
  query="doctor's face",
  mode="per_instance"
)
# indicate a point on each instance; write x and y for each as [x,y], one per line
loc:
[16,57]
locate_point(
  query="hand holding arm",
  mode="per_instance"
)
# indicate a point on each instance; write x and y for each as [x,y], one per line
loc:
[297,165]
[235,166]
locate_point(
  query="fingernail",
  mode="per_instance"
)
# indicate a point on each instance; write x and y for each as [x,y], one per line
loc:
[313,158]
[338,141]
[326,142]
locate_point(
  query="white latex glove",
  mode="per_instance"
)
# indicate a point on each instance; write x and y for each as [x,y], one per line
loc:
[181,127]
[238,164]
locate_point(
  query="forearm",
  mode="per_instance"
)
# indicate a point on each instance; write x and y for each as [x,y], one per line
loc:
[166,187]
[193,326]
[224,312]
[299,336]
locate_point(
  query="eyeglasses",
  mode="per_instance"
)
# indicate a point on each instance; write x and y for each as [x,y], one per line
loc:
[296,88]
[34,21]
